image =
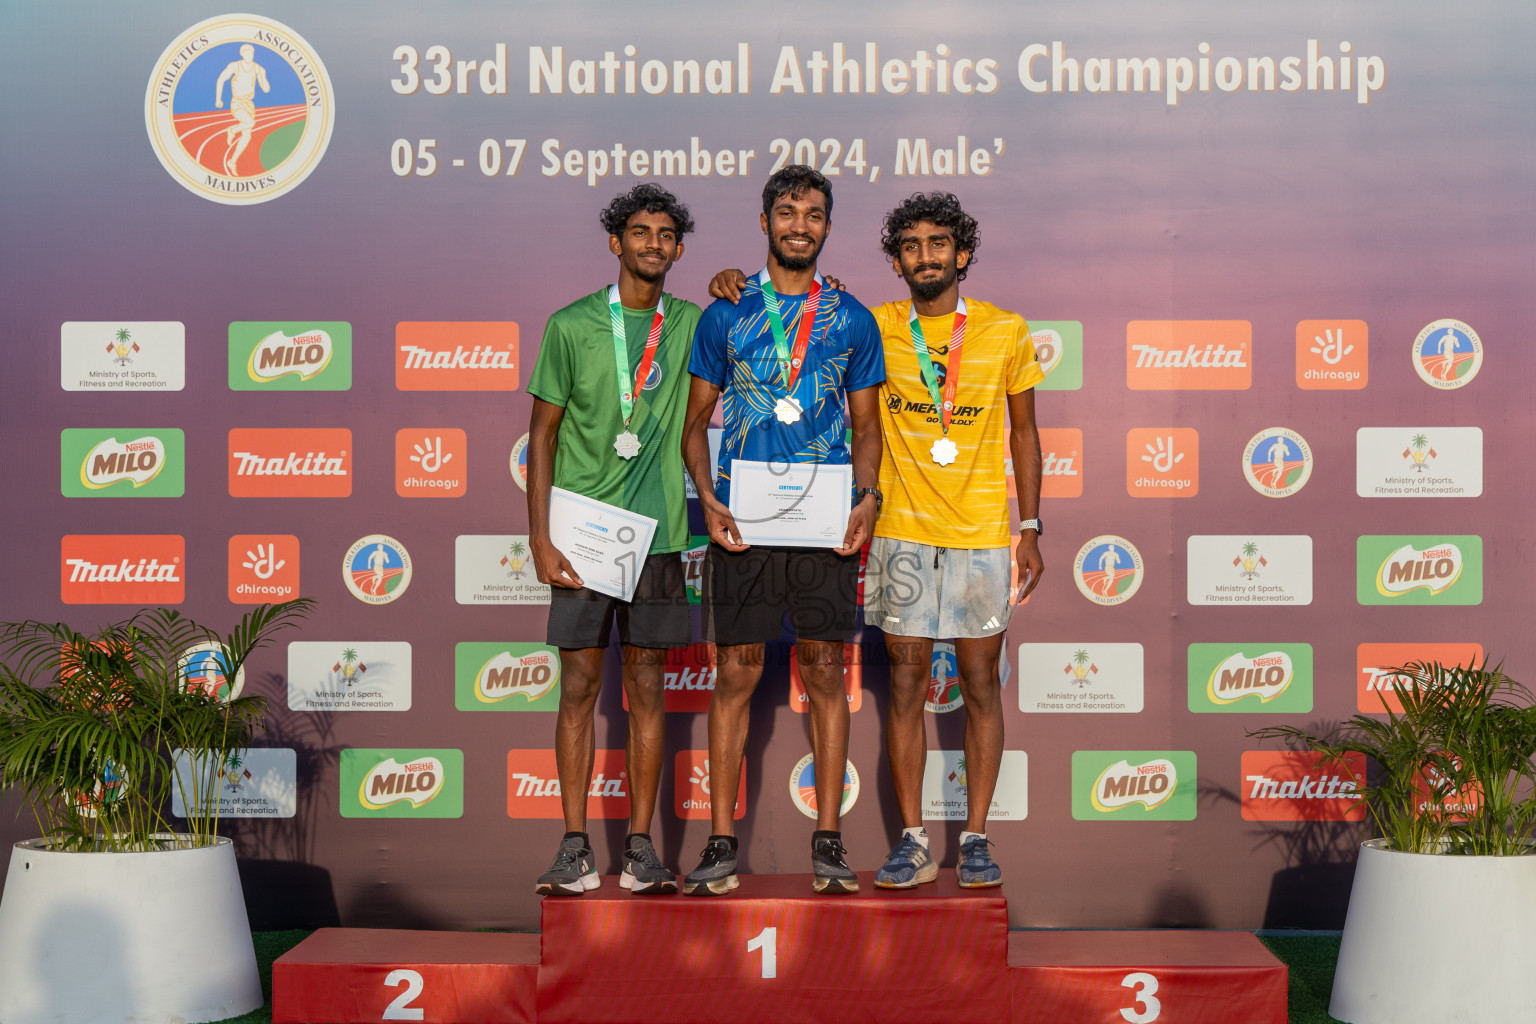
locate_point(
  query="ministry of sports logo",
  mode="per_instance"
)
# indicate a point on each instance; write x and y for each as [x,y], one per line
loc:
[377,569]
[239,109]
[1277,462]
[1447,354]
[1108,570]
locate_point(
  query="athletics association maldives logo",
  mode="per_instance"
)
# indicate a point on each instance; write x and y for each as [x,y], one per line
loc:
[944,680]
[377,569]
[239,109]
[1108,570]
[802,786]
[1447,354]
[1277,462]
[518,463]
[205,668]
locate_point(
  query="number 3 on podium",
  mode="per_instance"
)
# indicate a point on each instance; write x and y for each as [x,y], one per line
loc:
[767,940]
[1144,986]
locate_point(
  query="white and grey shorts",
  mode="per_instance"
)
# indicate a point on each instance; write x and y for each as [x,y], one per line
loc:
[915,589]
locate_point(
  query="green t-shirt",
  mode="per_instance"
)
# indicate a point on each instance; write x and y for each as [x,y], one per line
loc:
[575,370]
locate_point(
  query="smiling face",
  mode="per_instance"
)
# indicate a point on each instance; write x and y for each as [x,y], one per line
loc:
[648,247]
[797,229]
[928,260]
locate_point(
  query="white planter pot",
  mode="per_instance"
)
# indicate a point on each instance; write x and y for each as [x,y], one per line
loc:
[142,937]
[1437,939]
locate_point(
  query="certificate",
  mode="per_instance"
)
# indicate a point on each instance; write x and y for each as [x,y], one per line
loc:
[791,504]
[606,545]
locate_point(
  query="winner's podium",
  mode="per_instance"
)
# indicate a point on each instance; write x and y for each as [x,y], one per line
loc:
[772,951]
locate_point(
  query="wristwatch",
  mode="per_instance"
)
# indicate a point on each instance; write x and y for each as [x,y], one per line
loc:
[1032,524]
[879,498]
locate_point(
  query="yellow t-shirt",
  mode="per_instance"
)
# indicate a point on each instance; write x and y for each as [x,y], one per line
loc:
[964,504]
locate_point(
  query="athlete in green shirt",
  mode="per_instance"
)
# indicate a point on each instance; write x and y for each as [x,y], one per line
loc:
[619,446]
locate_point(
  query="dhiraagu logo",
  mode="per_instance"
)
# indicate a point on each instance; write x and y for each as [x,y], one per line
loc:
[290,356]
[402,783]
[127,463]
[506,677]
[1133,785]
[1244,678]
[1433,569]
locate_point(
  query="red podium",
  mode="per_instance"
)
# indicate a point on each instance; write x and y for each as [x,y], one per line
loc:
[774,951]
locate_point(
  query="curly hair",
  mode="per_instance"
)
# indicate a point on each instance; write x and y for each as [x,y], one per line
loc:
[793,181]
[646,197]
[941,208]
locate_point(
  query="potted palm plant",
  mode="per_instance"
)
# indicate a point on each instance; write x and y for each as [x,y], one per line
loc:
[114,913]
[1442,913]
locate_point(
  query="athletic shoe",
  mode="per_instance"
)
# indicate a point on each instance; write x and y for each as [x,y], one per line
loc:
[644,874]
[976,869]
[571,873]
[716,873]
[908,866]
[833,875]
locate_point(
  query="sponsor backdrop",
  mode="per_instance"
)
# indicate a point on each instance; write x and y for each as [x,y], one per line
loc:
[274,282]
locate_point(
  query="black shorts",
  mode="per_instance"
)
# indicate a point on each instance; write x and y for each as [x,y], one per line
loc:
[746,594]
[657,617]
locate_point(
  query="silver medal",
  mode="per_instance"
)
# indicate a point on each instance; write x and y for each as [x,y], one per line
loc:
[943,451]
[787,410]
[627,445]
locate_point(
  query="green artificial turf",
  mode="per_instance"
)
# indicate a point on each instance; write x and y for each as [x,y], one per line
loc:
[1311,959]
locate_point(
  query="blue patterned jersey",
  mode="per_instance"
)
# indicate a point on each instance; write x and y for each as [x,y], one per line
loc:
[733,349]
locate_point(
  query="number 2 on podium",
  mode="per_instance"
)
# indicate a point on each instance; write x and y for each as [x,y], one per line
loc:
[401,1008]
[767,940]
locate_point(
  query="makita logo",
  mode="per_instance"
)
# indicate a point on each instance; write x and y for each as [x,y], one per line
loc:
[530,785]
[1387,681]
[139,460]
[277,354]
[293,464]
[702,679]
[145,570]
[1215,356]
[480,357]
[1326,787]
[1052,464]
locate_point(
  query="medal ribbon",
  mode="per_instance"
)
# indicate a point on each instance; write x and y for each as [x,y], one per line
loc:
[790,362]
[944,402]
[627,395]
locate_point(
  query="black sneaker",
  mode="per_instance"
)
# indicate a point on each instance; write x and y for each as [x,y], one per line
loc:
[828,863]
[571,873]
[716,873]
[644,873]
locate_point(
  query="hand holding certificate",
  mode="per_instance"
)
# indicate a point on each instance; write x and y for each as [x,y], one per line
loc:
[606,545]
[791,504]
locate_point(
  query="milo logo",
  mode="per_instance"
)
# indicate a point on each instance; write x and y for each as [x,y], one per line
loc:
[507,675]
[1266,676]
[1123,784]
[1408,568]
[390,782]
[139,460]
[278,355]
[1133,785]
[1048,347]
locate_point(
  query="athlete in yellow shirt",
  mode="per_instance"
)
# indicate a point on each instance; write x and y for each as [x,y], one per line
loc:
[939,563]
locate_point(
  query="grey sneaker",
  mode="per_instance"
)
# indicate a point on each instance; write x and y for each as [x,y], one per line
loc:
[908,866]
[644,874]
[716,873]
[571,873]
[976,869]
[828,864]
